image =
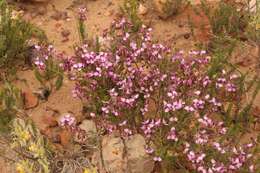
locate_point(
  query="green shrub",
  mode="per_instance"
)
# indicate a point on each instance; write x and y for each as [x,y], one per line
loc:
[14,36]
[10,100]
[31,147]
[226,18]
[130,9]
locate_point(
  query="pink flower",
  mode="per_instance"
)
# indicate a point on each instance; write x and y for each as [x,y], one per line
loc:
[172,135]
[251,168]
[149,150]
[157,159]
[67,120]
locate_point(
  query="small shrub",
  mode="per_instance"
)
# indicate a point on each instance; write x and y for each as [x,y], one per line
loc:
[31,148]
[190,107]
[130,9]
[226,18]
[229,24]
[14,35]
[10,102]
[81,25]
[167,8]
[47,71]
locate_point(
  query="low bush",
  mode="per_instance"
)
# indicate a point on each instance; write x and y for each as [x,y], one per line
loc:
[10,101]
[31,148]
[15,34]
[47,71]
[226,18]
[190,107]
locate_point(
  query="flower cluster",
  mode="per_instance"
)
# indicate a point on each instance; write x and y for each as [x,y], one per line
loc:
[82,13]
[130,75]
[236,158]
[67,120]
[43,53]
[133,85]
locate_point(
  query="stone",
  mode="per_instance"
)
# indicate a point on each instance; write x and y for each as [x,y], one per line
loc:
[164,8]
[138,161]
[113,154]
[65,138]
[109,3]
[142,10]
[253,6]
[49,117]
[120,156]
[97,161]
[158,4]
[49,120]
[53,134]
[42,93]
[41,11]
[30,100]
[89,127]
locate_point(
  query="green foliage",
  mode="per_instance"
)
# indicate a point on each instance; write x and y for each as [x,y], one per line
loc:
[51,77]
[130,9]
[223,44]
[82,31]
[10,97]
[237,113]
[10,101]
[14,35]
[31,147]
[226,19]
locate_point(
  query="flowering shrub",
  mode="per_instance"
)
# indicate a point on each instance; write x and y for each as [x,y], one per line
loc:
[82,17]
[130,9]
[47,72]
[30,147]
[14,36]
[189,108]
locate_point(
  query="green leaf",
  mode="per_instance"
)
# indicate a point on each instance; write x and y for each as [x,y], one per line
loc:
[38,76]
[59,82]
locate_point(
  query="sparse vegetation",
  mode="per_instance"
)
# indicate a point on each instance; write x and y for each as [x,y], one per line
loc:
[10,102]
[31,148]
[47,71]
[130,8]
[226,18]
[14,36]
